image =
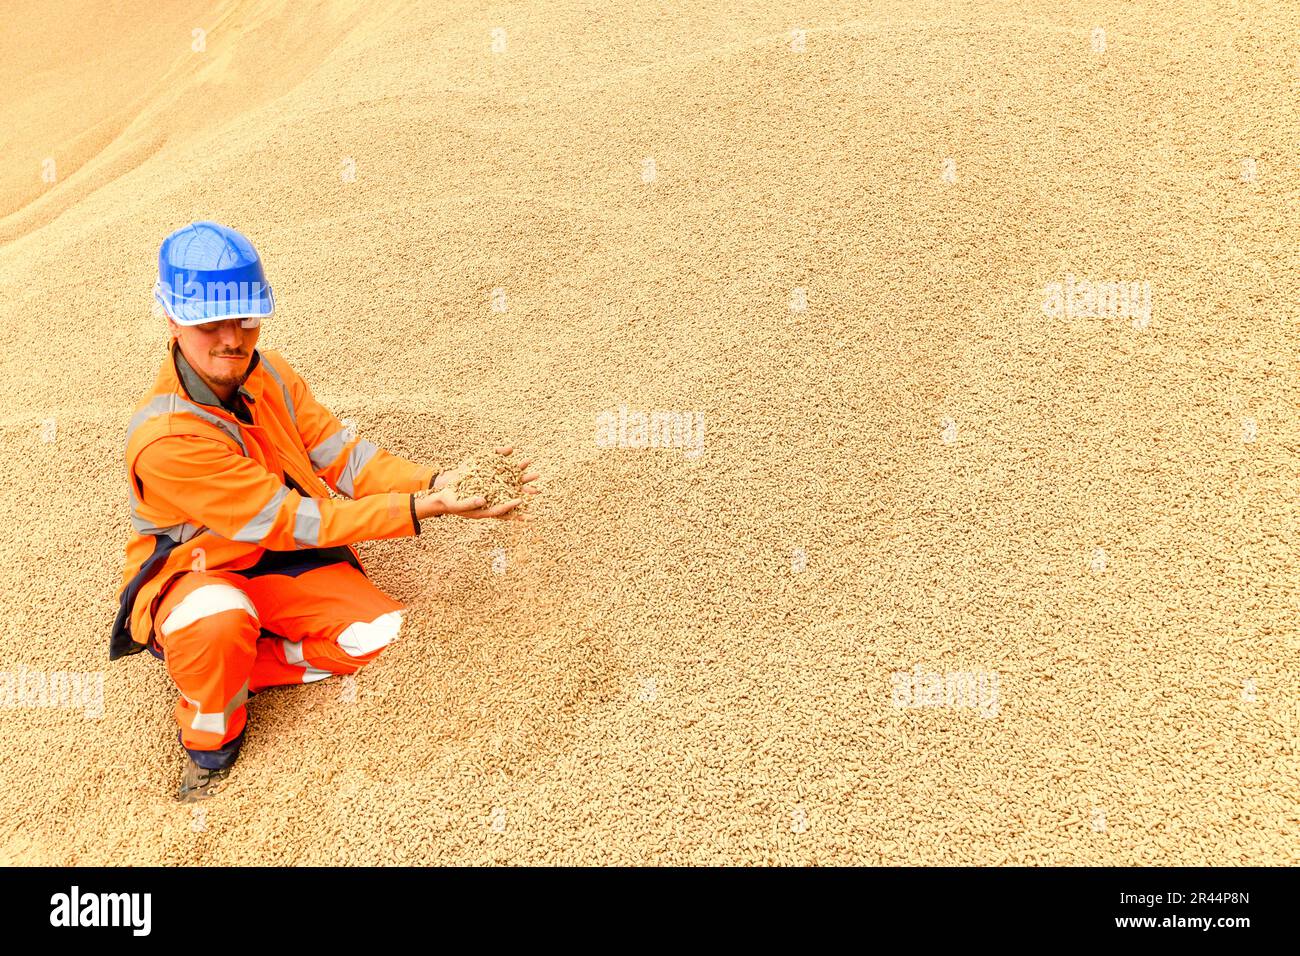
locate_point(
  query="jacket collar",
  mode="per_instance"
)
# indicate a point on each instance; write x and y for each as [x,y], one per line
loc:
[199,391]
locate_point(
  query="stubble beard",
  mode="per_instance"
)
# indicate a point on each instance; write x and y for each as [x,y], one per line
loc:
[227,373]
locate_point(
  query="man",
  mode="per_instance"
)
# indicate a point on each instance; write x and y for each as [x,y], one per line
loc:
[241,573]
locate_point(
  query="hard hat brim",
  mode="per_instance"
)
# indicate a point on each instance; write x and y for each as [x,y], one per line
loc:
[197,311]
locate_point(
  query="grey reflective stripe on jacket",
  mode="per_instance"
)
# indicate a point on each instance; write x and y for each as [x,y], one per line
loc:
[288,399]
[358,458]
[169,404]
[306,521]
[328,451]
[325,454]
[180,533]
[260,526]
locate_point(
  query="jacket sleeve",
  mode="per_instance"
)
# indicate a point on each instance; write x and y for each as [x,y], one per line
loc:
[349,464]
[208,483]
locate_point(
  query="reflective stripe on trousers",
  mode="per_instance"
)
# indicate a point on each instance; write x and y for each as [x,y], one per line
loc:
[226,636]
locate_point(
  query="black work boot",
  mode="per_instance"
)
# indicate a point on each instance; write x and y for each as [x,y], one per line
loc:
[198,783]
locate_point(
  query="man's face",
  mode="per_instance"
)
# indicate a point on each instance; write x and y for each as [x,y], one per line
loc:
[218,351]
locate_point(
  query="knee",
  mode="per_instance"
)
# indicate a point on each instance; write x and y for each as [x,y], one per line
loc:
[214,617]
[365,639]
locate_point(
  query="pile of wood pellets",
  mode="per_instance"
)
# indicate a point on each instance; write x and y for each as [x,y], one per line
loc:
[494,478]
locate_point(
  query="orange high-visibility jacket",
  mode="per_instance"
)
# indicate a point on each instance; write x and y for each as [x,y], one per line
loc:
[211,492]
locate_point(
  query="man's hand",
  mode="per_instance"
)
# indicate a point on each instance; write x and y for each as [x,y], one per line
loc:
[446,502]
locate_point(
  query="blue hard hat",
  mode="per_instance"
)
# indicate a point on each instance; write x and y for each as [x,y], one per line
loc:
[208,272]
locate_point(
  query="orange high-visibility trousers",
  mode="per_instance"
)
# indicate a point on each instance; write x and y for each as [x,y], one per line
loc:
[212,627]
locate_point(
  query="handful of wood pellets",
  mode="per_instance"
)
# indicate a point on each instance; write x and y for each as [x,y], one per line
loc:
[494,478]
